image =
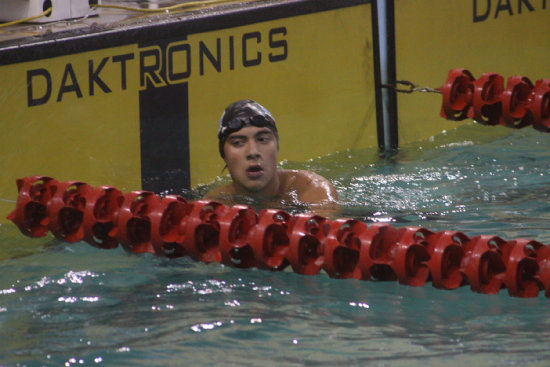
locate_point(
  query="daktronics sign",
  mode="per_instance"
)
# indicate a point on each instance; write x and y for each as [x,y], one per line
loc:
[159,65]
[493,9]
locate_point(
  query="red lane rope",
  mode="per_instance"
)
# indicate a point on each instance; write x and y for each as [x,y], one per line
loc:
[486,100]
[143,222]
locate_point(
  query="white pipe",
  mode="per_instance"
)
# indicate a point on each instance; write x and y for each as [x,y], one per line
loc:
[383,53]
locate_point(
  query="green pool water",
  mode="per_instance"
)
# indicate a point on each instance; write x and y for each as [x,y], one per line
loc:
[71,304]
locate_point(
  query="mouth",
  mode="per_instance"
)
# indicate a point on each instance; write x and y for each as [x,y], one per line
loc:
[254,171]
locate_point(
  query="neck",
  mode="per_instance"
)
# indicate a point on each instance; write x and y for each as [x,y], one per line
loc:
[272,190]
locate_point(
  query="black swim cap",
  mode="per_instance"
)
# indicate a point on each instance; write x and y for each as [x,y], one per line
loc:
[241,114]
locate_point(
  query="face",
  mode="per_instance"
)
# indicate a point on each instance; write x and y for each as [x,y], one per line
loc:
[251,157]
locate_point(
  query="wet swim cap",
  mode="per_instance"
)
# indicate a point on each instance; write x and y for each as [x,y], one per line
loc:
[241,114]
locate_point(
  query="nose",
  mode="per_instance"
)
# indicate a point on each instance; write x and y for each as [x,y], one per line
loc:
[252,151]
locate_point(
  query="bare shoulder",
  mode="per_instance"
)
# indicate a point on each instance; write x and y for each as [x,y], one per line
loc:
[220,193]
[302,176]
[310,187]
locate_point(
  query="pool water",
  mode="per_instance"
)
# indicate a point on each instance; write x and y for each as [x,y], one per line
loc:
[71,304]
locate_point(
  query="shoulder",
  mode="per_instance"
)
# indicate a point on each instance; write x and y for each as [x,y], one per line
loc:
[220,193]
[310,187]
[300,176]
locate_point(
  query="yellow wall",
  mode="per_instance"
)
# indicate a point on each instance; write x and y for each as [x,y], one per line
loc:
[434,36]
[321,94]
[93,139]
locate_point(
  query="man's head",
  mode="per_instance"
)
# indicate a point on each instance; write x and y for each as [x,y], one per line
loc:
[249,144]
[241,114]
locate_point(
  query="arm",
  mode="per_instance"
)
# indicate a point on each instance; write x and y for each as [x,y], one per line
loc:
[315,191]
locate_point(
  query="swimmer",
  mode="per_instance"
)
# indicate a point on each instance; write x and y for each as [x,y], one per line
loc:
[249,145]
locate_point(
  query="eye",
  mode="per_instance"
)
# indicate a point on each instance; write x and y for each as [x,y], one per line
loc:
[264,138]
[236,142]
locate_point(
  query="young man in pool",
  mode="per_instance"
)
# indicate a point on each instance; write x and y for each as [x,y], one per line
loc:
[249,145]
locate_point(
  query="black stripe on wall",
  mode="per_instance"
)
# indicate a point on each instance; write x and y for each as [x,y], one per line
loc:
[164,133]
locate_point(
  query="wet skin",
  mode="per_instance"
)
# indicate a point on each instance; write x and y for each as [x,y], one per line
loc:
[251,155]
